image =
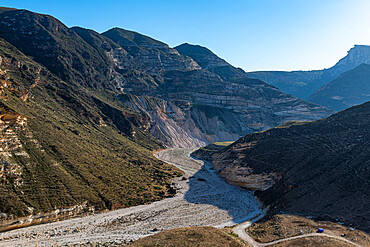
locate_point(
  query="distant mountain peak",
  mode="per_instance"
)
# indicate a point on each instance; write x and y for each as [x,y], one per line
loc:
[210,61]
[194,49]
[361,46]
[302,84]
[355,56]
[132,38]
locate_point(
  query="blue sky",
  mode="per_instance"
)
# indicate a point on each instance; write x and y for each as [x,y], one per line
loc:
[251,34]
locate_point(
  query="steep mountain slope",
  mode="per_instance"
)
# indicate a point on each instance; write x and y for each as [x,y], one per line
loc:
[147,55]
[304,83]
[181,124]
[62,146]
[257,102]
[313,168]
[211,62]
[146,67]
[58,48]
[350,88]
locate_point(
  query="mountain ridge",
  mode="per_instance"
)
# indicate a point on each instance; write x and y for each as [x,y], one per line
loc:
[304,83]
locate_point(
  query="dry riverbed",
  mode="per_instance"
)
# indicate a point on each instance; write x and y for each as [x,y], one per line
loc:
[203,199]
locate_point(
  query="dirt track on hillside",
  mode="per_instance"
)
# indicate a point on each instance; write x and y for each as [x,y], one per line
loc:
[203,199]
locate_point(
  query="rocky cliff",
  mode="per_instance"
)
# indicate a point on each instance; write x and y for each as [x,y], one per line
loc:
[223,110]
[314,168]
[222,103]
[182,124]
[304,83]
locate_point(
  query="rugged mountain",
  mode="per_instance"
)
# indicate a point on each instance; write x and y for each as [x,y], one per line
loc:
[176,77]
[350,88]
[58,48]
[79,111]
[129,62]
[64,146]
[210,109]
[313,168]
[211,62]
[146,55]
[231,88]
[304,83]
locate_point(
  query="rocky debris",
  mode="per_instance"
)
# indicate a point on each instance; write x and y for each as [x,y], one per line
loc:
[10,222]
[11,123]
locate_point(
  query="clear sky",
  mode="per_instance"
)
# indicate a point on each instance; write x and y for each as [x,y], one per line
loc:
[251,34]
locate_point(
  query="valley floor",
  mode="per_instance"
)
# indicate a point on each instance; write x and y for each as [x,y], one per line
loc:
[203,199]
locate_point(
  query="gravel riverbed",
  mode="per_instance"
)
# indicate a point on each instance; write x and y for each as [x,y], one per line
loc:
[203,199]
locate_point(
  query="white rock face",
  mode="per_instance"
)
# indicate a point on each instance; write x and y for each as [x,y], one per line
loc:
[180,125]
[357,55]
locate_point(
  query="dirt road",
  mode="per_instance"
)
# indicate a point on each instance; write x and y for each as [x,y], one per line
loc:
[203,199]
[240,230]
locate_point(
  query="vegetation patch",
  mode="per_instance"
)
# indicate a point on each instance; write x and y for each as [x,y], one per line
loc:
[189,237]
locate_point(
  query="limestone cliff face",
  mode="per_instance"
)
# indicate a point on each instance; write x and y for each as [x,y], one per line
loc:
[11,147]
[224,103]
[181,124]
[357,55]
[258,105]
[166,120]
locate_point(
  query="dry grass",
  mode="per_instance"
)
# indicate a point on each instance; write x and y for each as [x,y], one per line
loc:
[314,242]
[284,226]
[191,237]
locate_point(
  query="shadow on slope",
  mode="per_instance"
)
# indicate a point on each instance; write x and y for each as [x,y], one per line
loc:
[206,187]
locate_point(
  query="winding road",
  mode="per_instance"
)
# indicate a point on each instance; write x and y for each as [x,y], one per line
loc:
[240,230]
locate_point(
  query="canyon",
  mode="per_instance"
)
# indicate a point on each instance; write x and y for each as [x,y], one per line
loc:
[102,125]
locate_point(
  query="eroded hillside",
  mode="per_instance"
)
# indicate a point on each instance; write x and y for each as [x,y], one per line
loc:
[318,168]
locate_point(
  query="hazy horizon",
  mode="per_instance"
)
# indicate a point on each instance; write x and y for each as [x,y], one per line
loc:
[253,35]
